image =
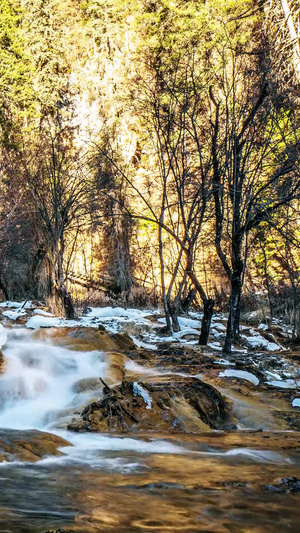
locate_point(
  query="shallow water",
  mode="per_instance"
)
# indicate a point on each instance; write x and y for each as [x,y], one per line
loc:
[127,484]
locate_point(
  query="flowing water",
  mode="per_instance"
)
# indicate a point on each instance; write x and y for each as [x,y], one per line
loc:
[126,484]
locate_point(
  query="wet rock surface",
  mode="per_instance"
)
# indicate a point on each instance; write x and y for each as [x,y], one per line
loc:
[290,485]
[84,339]
[29,445]
[176,405]
[146,457]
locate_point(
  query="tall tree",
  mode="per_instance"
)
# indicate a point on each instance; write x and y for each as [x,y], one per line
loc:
[256,154]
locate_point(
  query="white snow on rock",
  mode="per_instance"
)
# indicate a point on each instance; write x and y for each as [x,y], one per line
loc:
[138,390]
[215,346]
[142,344]
[240,374]
[296,402]
[3,336]
[42,312]
[196,315]
[219,326]
[273,375]
[257,341]
[16,305]
[38,321]
[188,322]
[185,323]
[182,333]
[13,315]
[217,334]
[116,312]
[263,327]
[287,384]
[224,362]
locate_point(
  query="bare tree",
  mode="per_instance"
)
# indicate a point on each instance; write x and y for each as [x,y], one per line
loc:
[255,159]
[56,183]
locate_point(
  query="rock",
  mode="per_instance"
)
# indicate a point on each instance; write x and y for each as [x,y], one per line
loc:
[115,367]
[290,485]
[291,419]
[2,362]
[88,339]
[88,384]
[180,405]
[29,445]
[59,531]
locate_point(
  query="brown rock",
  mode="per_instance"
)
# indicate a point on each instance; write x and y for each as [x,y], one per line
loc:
[88,384]
[188,405]
[87,339]
[29,445]
[2,362]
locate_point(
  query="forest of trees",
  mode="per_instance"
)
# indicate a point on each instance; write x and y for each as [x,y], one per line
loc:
[149,155]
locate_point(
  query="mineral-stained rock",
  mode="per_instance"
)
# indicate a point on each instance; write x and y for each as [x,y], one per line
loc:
[29,445]
[85,339]
[88,384]
[176,405]
[2,362]
[290,485]
[291,419]
[115,367]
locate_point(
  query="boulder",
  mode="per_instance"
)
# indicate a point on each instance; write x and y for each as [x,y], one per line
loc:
[29,445]
[88,384]
[88,339]
[178,405]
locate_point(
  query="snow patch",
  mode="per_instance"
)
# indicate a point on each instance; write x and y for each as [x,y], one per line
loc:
[263,327]
[116,312]
[288,384]
[188,323]
[215,346]
[13,315]
[142,344]
[296,402]
[240,374]
[16,305]
[257,341]
[219,326]
[189,331]
[42,312]
[138,390]
[39,321]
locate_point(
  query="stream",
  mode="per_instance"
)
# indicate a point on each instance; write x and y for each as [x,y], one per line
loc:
[105,483]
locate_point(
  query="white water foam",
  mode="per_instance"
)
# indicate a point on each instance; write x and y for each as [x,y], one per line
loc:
[39,381]
[39,386]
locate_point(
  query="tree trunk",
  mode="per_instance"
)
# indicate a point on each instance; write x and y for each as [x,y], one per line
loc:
[163,285]
[61,291]
[233,324]
[174,312]
[4,290]
[67,302]
[208,303]
[206,321]
[188,299]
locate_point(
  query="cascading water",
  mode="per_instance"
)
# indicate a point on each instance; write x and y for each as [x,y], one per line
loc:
[118,483]
[40,390]
[39,380]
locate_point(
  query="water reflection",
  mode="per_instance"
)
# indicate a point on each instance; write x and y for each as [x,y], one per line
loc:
[159,493]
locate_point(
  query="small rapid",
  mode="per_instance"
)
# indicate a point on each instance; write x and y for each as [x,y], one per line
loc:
[39,381]
[125,483]
[40,389]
